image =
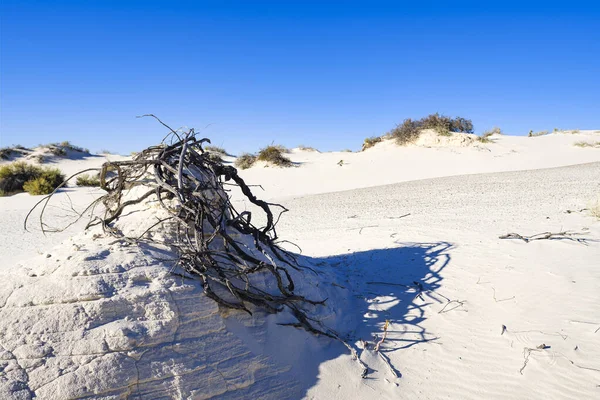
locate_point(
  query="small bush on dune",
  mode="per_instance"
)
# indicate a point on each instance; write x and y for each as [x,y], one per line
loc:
[215,149]
[539,133]
[274,154]
[8,152]
[38,186]
[20,176]
[307,148]
[87,180]
[370,142]
[486,137]
[245,160]
[60,149]
[5,153]
[410,130]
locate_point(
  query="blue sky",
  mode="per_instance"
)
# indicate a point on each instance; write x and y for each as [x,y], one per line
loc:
[325,74]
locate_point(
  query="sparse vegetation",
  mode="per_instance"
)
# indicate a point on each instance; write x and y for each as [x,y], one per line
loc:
[486,137]
[60,149]
[588,144]
[21,176]
[245,160]
[215,149]
[274,155]
[346,151]
[410,130]
[575,131]
[370,142]
[539,133]
[307,148]
[7,152]
[88,180]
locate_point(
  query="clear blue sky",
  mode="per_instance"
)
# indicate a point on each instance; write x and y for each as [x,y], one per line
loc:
[320,73]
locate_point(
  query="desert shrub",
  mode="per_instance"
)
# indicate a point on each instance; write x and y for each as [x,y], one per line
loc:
[87,180]
[409,130]
[38,186]
[69,146]
[60,149]
[57,151]
[215,149]
[306,148]
[539,133]
[406,133]
[38,158]
[6,152]
[486,137]
[346,151]
[370,142]
[274,155]
[588,144]
[21,176]
[245,160]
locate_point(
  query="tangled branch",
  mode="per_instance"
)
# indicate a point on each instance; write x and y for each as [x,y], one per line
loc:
[239,264]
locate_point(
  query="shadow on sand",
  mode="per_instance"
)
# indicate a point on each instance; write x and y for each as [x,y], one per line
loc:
[393,284]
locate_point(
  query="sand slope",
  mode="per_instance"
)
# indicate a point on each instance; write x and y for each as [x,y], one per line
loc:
[467,310]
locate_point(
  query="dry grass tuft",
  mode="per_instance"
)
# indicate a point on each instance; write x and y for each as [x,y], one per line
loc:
[594,145]
[274,154]
[216,149]
[370,142]
[245,160]
[307,148]
[486,137]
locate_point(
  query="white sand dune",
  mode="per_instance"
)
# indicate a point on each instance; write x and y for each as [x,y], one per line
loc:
[108,321]
[387,163]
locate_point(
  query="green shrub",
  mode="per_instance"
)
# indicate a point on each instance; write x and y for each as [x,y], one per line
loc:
[38,186]
[245,160]
[370,142]
[20,176]
[410,130]
[274,155]
[87,180]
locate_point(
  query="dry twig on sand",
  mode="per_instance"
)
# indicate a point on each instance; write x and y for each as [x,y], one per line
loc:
[239,265]
[545,235]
